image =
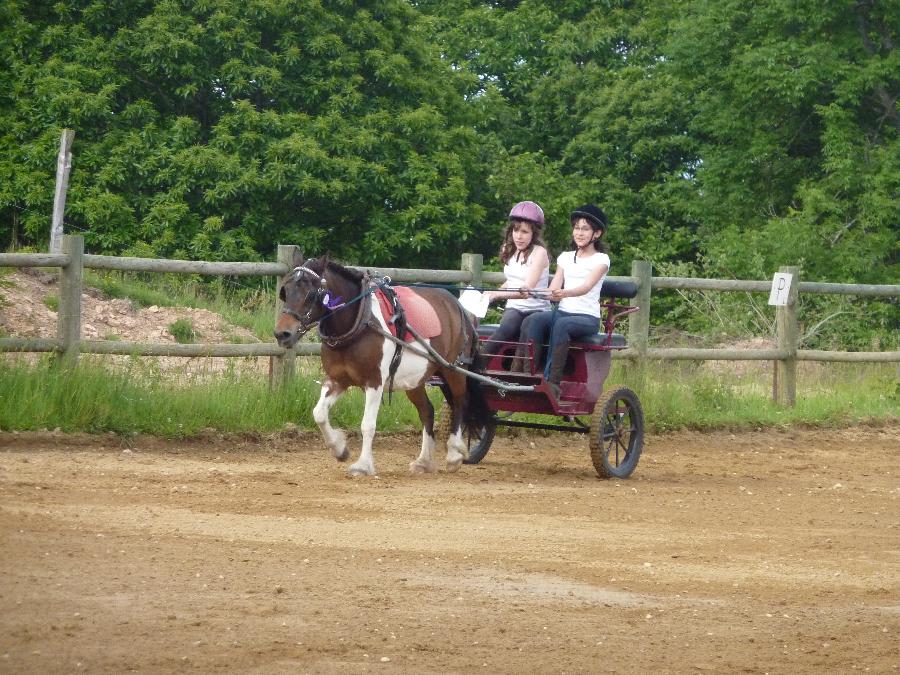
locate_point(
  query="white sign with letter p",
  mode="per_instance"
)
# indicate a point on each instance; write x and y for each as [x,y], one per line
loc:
[781,289]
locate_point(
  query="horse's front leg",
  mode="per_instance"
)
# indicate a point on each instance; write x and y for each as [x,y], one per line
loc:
[424,463]
[335,439]
[365,465]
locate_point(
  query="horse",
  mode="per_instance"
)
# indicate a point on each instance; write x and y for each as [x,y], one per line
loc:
[358,349]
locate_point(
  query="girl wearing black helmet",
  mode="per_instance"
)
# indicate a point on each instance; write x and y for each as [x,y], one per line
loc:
[576,286]
[526,265]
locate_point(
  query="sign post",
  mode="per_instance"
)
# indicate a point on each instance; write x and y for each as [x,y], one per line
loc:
[787,332]
[781,289]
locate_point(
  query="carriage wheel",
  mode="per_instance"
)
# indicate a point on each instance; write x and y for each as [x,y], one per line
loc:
[478,441]
[617,433]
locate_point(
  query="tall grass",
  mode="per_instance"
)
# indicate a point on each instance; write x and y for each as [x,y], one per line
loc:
[676,396]
[93,397]
[96,397]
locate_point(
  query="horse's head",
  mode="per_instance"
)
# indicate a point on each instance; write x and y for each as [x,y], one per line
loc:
[304,293]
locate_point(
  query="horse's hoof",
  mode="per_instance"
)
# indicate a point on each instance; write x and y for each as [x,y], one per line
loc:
[453,467]
[343,455]
[360,471]
[419,468]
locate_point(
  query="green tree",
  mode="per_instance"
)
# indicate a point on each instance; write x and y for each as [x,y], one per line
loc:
[218,129]
[796,117]
[578,99]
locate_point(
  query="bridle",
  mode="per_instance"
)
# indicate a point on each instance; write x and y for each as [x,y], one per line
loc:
[321,295]
[313,299]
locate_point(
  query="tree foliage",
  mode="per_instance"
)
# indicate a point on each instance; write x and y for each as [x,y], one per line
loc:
[216,129]
[796,118]
[723,138]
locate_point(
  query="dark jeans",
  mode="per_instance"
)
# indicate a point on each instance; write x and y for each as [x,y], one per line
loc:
[508,330]
[557,329]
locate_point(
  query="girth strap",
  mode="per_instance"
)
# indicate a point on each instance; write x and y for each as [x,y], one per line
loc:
[399,320]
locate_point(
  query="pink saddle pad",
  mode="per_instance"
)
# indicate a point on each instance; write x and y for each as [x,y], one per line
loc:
[420,315]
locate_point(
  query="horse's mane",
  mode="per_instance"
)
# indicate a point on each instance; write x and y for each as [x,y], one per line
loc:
[324,262]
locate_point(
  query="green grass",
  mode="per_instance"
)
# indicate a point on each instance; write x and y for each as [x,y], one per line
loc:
[96,397]
[183,331]
[677,397]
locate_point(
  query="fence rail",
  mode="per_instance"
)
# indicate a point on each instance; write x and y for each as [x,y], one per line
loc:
[72,262]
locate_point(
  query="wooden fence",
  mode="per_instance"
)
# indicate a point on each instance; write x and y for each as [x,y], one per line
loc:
[72,262]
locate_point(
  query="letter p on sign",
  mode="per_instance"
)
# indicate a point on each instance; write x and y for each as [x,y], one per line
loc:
[781,288]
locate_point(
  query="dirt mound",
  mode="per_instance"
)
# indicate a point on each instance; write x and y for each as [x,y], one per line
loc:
[27,297]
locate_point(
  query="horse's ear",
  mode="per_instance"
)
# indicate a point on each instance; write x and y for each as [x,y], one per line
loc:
[298,258]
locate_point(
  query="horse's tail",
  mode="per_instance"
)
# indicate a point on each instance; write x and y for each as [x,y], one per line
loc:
[475,408]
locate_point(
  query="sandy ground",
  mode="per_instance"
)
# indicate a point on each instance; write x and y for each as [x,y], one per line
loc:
[770,551]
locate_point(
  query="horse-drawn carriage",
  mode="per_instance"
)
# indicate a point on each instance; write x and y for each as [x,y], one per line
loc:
[375,338]
[615,420]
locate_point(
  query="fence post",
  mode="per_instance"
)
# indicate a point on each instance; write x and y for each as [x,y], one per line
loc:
[282,368]
[639,321]
[63,166]
[787,332]
[474,263]
[68,316]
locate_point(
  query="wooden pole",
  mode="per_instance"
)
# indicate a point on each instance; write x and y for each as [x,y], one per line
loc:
[68,323]
[63,166]
[639,321]
[474,263]
[787,331]
[282,368]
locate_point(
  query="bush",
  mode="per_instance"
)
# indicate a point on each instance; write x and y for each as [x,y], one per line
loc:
[183,331]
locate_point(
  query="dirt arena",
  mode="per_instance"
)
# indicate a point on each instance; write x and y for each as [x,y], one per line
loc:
[768,552]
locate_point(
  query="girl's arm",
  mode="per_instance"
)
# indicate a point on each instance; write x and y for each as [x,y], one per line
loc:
[539,262]
[501,294]
[557,281]
[589,283]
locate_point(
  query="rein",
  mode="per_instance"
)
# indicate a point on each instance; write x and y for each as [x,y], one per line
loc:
[432,355]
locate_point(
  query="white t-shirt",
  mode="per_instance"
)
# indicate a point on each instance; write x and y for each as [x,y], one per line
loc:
[516,271]
[575,274]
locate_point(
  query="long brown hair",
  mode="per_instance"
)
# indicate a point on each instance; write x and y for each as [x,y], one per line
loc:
[508,247]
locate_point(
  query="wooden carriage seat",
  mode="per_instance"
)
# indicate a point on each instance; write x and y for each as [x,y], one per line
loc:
[611,291]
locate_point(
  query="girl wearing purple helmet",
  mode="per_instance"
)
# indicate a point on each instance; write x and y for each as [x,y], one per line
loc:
[526,265]
[576,286]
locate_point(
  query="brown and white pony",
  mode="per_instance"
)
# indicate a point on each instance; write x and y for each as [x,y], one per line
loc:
[355,352]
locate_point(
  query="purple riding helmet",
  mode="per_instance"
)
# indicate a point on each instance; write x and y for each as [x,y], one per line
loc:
[527,211]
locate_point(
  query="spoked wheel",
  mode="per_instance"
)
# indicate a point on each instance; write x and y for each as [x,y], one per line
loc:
[617,433]
[478,441]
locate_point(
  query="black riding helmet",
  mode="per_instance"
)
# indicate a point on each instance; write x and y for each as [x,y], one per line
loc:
[593,214]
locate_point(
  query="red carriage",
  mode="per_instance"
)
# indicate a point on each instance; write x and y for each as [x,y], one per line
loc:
[612,418]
